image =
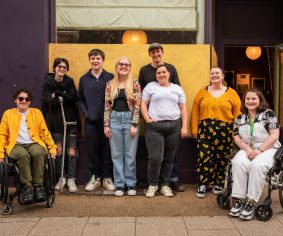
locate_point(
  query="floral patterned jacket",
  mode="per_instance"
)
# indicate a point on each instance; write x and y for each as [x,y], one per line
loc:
[133,104]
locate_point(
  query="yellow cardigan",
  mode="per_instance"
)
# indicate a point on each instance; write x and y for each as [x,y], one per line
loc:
[224,108]
[38,131]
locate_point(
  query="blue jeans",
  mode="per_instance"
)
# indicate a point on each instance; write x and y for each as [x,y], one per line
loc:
[123,149]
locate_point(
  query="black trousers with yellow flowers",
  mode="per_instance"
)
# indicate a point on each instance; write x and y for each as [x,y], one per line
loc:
[214,144]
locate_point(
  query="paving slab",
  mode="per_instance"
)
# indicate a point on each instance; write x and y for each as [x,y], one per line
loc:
[273,227]
[279,217]
[208,222]
[16,226]
[59,226]
[214,232]
[105,226]
[160,226]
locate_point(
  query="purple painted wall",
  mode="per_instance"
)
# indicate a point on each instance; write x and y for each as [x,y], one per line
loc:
[26,30]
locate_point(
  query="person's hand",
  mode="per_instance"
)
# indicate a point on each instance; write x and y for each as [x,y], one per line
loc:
[150,120]
[53,155]
[53,95]
[72,152]
[183,132]
[107,132]
[195,136]
[134,131]
[2,160]
[254,154]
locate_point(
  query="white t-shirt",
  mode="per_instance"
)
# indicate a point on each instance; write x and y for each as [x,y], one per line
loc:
[24,137]
[163,101]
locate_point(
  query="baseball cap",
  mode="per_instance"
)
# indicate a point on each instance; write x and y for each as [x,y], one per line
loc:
[154,46]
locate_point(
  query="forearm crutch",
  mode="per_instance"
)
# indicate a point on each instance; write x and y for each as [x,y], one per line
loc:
[65,123]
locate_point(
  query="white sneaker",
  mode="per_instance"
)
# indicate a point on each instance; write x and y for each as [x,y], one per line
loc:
[132,191]
[93,184]
[72,186]
[166,191]
[108,184]
[151,190]
[61,182]
[119,192]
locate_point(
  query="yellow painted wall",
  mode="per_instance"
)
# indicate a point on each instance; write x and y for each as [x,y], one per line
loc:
[191,61]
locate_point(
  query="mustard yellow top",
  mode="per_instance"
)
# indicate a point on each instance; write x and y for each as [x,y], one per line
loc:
[38,131]
[224,108]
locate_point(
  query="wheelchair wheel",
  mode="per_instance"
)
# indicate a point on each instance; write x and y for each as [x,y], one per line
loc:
[263,212]
[280,190]
[223,202]
[50,201]
[7,209]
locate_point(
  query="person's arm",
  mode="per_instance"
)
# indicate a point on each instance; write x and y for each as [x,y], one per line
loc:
[45,135]
[107,111]
[141,79]
[195,113]
[81,99]
[136,108]
[271,140]
[184,118]
[67,92]
[236,106]
[175,77]
[4,135]
[144,111]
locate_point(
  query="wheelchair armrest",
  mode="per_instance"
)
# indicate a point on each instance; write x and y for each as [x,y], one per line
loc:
[278,156]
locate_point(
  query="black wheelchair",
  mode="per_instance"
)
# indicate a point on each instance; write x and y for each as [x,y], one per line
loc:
[9,169]
[263,211]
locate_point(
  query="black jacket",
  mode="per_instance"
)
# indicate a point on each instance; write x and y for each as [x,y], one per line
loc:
[51,106]
[91,96]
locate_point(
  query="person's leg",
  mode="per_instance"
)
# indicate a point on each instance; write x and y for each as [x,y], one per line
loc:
[130,150]
[172,141]
[223,144]
[174,178]
[155,145]
[117,148]
[107,165]
[22,156]
[240,165]
[38,155]
[257,171]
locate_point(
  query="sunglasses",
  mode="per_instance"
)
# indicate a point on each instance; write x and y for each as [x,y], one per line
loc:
[27,99]
[124,64]
[62,67]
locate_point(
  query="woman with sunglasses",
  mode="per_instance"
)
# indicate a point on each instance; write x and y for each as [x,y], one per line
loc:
[56,85]
[121,118]
[24,136]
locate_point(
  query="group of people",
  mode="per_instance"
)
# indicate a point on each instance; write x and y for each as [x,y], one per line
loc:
[112,106]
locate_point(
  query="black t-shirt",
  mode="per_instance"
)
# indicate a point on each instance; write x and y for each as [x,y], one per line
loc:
[120,102]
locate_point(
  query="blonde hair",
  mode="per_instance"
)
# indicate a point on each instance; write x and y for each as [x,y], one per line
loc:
[114,83]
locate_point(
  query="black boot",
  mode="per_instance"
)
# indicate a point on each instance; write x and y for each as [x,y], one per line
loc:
[39,194]
[176,187]
[26,197]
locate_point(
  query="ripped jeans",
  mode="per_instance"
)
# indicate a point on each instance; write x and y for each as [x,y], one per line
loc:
[70,161]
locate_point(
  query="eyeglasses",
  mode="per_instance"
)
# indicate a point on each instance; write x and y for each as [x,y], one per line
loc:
[124,64]
[27,99]
[62,67]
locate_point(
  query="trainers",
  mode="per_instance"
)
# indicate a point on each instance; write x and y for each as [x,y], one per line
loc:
[151,190]
[166,191]
[217,189]
[61,182]
[93,184]
[108,184]
[119,191]
[131,191]
[27,197]
[201,191]
[237,207]
[39,194]
[248,211]
[72,186]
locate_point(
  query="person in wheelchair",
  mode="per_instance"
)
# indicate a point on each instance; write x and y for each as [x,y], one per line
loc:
[256,133]
[25,138]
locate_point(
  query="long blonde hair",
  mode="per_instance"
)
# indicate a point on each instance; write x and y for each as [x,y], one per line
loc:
[114,83]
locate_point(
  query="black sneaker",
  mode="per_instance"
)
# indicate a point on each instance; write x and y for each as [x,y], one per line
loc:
[217,189]
[248,211]
[26,197]
[176,186]
[39,194]
[237,207]
[201,191]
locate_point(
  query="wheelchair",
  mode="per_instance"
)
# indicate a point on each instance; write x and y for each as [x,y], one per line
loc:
[263,211]
[9,169]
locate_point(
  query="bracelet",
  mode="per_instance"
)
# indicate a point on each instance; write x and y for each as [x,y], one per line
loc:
[259,149]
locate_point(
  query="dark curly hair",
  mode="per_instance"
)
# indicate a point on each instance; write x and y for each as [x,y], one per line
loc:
[57,62]
[22,90]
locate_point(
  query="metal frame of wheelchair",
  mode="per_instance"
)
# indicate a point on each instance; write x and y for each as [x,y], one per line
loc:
[263,211]
[9,169]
